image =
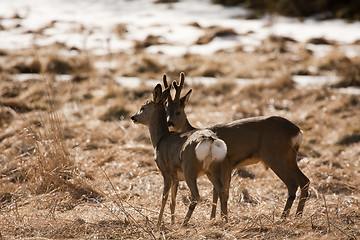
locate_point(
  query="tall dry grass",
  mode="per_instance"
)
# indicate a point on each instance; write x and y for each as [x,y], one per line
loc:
[47,182]
[74,166]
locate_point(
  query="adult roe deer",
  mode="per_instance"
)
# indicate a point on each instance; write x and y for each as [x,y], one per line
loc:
[273,140]
[184,156]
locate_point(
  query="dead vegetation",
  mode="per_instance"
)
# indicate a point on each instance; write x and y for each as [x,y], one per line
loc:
[74,166]
[52,185]
[214,31]
[147,42]
[326,9]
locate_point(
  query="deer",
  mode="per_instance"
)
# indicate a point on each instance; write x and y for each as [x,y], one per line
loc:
[184,156]
[274,141]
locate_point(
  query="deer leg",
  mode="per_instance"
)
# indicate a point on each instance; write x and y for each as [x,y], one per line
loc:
[303,197]
[167,184]
[174,188]
[195,197]
[291,197]
[220,186]
[213,207]
[304,183]
[285,167]
[226,196]
[286,175]
[301,180]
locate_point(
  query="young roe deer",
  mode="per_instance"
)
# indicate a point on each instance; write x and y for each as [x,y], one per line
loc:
[273,140]
[184,156]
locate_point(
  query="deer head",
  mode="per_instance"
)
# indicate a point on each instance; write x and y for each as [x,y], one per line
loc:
[176,117]
[148,110]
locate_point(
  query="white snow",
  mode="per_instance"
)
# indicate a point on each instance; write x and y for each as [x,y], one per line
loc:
[89,24]
[315,81]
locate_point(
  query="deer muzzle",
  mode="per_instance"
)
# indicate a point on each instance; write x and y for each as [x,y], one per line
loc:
[133,118]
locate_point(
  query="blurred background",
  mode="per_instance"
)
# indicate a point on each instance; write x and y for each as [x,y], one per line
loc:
[138,38]
[73,165]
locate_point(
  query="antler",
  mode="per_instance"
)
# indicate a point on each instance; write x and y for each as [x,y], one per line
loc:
[167,86]
[179,87]
[165,81]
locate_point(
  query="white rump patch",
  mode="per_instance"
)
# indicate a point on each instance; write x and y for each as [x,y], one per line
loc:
[297,139]
[209,151]
[218,150]
[202,150]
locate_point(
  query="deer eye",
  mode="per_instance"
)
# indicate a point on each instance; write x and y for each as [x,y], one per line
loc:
[178,113]
[142,109]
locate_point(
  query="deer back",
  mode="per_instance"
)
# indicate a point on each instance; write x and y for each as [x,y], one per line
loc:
[251,138]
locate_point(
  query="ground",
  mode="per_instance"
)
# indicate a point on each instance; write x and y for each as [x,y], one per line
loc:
[73,165]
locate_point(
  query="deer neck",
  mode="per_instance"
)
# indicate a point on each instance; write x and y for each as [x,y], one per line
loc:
[187,126]
[158,126]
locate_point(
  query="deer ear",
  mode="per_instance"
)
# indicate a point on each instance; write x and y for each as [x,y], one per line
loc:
[157,93]
[185,99]
[165,94]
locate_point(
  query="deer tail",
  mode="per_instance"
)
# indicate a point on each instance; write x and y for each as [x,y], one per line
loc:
[210,150]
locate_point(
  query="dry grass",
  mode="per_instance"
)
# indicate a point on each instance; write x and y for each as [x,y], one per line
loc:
[214,31]
[325,9]
[147,42]
[74,165]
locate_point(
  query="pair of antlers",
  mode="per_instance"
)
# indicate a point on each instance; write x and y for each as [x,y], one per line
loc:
[178,87]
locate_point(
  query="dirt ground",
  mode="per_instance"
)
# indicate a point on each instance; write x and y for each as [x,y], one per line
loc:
[73,165]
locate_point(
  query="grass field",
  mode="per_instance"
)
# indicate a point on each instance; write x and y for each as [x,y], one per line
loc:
[73,165]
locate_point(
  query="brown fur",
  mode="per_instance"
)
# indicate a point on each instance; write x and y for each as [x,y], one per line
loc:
[250,140]
[176,158]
